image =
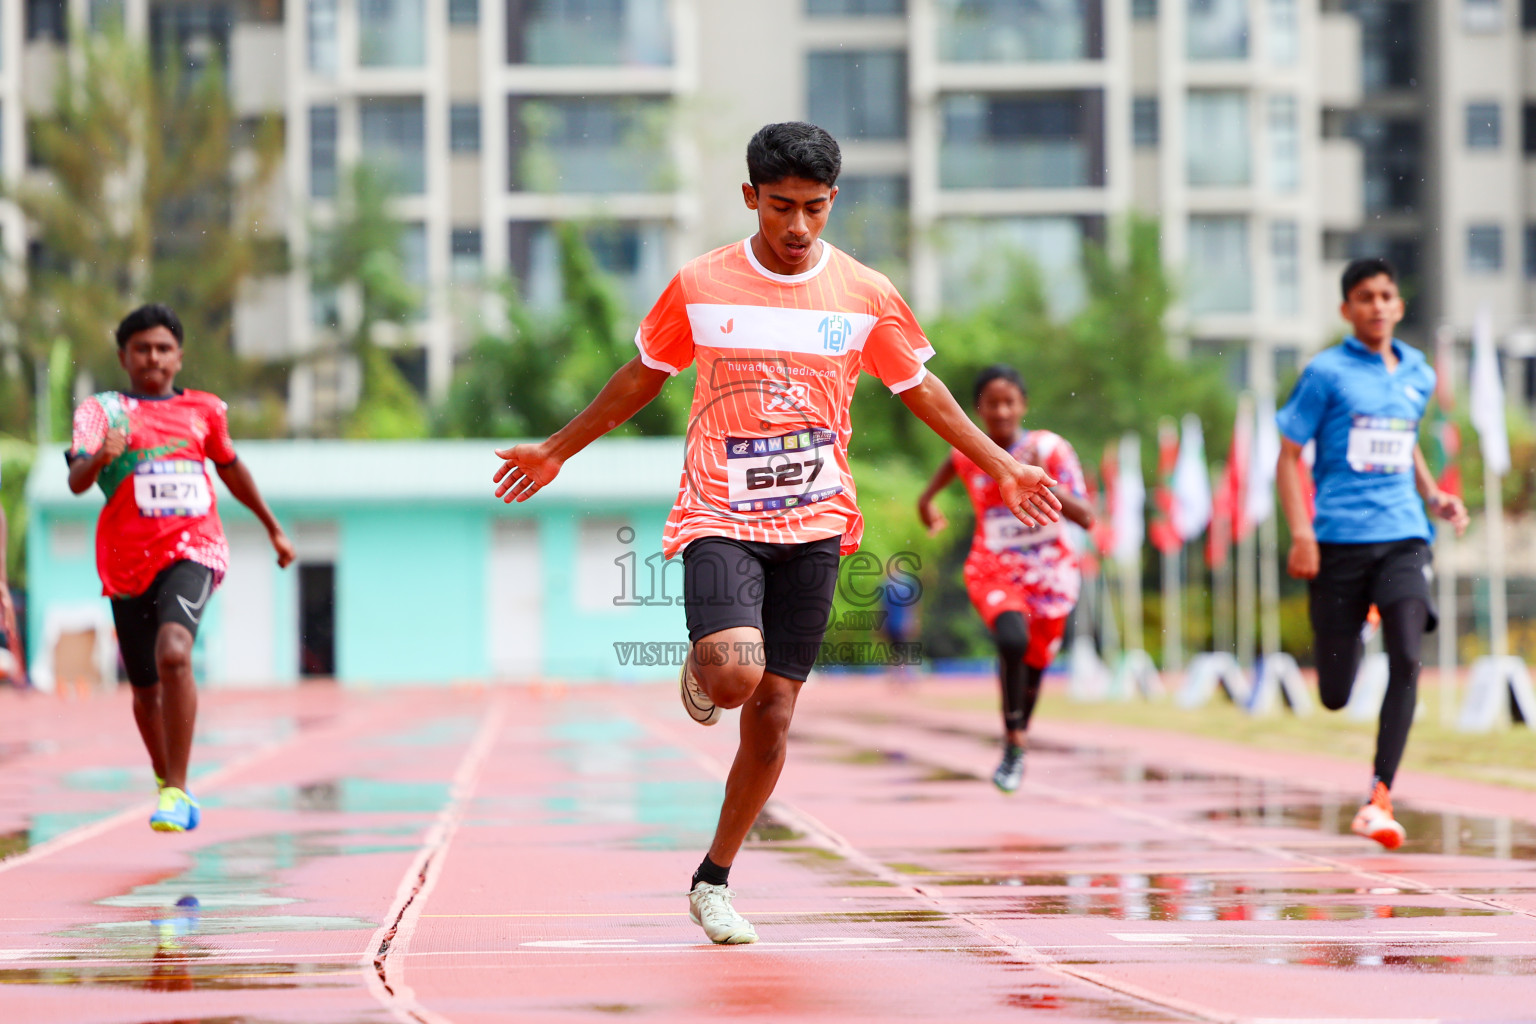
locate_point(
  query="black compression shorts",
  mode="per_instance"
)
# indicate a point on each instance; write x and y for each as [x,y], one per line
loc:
[1352,577]
[180,595]
[782,590]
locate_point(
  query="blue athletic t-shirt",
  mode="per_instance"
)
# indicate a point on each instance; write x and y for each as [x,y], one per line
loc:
[1366,424]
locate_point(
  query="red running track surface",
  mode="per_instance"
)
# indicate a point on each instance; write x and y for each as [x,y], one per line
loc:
[521,855]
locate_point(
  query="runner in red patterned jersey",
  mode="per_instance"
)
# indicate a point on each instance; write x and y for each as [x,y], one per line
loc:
[1023,580]
[160,549]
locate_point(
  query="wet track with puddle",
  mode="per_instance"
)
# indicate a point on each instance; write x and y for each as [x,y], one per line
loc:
[521,855]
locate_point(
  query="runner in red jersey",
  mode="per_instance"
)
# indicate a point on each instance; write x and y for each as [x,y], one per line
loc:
[160,549]
[780,326]
[1023,580]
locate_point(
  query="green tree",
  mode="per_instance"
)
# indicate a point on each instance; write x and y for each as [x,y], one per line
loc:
[359,262]
[531,380]
[151,189]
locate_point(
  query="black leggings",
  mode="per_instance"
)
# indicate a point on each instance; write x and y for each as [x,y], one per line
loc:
[1020,682]
[1338,660]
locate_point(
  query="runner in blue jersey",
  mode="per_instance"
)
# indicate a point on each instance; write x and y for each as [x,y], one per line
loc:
[1361,403]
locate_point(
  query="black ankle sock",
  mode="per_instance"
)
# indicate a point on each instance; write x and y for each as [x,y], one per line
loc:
[711,872]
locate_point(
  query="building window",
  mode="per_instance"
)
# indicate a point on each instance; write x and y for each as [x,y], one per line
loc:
[391,33]
[1485,249]
[1031,140]
[1010,31]
[1393,167]
[413,256]
[1528,127]
[1144,10]
[1231,355]
[322,37]
[464,128]
[1217,144]
[1217,29]
[1528,14]
[1483,126]
[1482,15]
[1388,44]
[872,221]
[1284,144]
[858,95]
[393,133]
[980,259]
[844,8]
[1220,265]
[48,19]
[322,152]
[631,253]
[1285,260]
[589,32]
[616,144]
[1144,122]
[1530,251]
[463,12]
[466,255]
[1287,367]
[1284,32]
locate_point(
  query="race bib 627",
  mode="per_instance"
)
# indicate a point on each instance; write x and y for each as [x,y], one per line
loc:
[765,473]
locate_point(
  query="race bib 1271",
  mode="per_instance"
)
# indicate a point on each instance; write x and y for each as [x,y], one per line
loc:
[767,473]
[1381,444]
[171,487]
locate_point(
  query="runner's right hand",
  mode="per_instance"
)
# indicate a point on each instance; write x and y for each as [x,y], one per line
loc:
[932,518]
[1026,490]
[524,469]
[1304,559]
[115,443]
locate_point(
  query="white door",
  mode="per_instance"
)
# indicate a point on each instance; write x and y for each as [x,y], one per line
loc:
[247,612]
[515,601]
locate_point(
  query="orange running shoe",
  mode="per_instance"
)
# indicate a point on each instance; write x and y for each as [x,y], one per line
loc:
[1375,821]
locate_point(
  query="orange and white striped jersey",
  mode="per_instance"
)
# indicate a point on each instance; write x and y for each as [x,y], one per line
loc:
[778,359]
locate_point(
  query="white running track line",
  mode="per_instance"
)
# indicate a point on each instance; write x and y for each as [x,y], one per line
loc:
[384,961]
[835,843]
[215,778]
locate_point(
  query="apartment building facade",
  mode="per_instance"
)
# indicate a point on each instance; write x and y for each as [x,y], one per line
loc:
[970,128]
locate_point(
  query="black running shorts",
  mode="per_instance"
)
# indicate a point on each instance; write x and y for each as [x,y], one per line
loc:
[180,595]
[1352,577]
[784,591]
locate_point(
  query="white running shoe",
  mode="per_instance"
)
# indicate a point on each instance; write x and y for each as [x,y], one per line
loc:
[695,701]
[710,906]
[1375,820]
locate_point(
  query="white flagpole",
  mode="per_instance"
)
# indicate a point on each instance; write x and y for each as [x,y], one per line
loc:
[1173,620]
[1445,570]
[1498,613]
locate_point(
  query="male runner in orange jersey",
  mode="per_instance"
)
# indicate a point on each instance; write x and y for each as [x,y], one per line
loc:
[780,326]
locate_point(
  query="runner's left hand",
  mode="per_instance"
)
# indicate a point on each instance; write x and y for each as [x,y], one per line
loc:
[284,548]
[1026,490]
[1452,509]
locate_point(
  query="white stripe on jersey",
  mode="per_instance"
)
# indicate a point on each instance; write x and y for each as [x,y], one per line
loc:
[812,332]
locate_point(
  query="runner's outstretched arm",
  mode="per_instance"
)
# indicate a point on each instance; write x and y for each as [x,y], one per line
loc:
[1447,506]
[1303,560]
[1025,489]
[237,477]
[527,467]
[932,517]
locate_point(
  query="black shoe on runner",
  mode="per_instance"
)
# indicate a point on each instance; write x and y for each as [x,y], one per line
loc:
[1010,771]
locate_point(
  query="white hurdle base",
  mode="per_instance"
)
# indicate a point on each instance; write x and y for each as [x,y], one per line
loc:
[1090,678]
[1280,682]
[1207,672]
[1500,690]
[1137,676]
[1370,689]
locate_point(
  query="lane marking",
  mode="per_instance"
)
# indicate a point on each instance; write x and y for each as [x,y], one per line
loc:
[213,780]
[386,980]
[1065,796]
[1373,937]
[834,842]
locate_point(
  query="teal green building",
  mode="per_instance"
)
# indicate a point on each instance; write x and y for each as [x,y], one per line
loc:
[409,569]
